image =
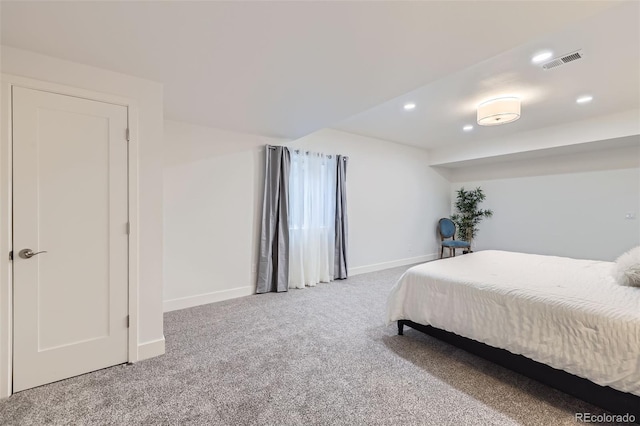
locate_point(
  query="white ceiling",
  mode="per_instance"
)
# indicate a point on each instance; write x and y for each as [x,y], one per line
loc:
[287,69]
[610,72]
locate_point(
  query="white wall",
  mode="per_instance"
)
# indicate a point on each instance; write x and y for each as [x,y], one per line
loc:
[623,124]
[213,198]
[148,96]
[213,183]
[570,207]
[394,199]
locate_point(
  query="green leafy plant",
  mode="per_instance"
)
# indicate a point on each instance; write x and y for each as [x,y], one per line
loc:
[468,214]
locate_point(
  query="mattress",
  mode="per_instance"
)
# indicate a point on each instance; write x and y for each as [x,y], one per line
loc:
[566,313]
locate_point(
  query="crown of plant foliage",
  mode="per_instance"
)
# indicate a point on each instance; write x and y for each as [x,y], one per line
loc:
[468,215]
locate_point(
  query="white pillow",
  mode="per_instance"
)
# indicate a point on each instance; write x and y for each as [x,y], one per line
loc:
[626,270]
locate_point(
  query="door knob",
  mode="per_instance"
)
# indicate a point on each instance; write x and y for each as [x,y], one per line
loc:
[28,253]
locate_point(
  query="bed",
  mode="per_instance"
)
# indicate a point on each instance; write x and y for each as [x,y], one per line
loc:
[535,314]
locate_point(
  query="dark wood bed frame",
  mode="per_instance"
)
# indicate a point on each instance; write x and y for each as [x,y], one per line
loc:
[610,399]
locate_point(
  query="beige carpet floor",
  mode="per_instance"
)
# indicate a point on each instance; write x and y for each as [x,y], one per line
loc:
[318,356]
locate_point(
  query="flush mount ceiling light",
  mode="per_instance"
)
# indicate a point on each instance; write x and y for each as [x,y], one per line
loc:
[499,111]
[468,128]
[409,106]
[541,57]
[584,99]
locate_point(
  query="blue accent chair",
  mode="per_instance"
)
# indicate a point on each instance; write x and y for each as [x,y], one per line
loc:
[447,229]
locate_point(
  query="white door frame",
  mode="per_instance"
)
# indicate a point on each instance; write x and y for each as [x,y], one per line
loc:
[7,82]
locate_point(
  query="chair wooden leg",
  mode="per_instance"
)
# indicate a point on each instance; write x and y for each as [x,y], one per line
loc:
[441,251]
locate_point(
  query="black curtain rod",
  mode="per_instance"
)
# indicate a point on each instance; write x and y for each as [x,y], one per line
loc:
[307,152]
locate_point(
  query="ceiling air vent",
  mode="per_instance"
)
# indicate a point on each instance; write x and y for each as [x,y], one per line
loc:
[570,57]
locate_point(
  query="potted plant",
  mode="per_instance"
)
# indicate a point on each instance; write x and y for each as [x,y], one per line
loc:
[468,214]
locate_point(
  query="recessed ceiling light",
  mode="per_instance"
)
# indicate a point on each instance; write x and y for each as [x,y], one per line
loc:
[409,106]
[541,57]
[584,99]
[468,128]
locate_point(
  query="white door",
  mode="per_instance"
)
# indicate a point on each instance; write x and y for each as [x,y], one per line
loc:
[70,206]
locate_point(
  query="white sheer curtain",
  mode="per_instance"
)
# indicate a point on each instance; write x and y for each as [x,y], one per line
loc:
[312,204]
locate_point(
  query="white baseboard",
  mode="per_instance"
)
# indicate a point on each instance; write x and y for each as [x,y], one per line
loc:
[392,264]
[203,299]
[218,296]
[150,349]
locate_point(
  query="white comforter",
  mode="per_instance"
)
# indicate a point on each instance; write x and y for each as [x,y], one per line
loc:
[566,313]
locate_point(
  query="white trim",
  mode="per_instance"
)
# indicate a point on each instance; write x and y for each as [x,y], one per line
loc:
[134,248]
[46,86]
[6,314]
[392,264]
[203,299]
[151,349]
[6,297]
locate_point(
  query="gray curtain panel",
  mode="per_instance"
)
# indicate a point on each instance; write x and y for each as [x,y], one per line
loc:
[342,229]
[273,269]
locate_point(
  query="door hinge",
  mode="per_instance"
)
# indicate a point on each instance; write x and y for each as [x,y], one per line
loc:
[128,134]
[10,255]
[127,321]
[128,228]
